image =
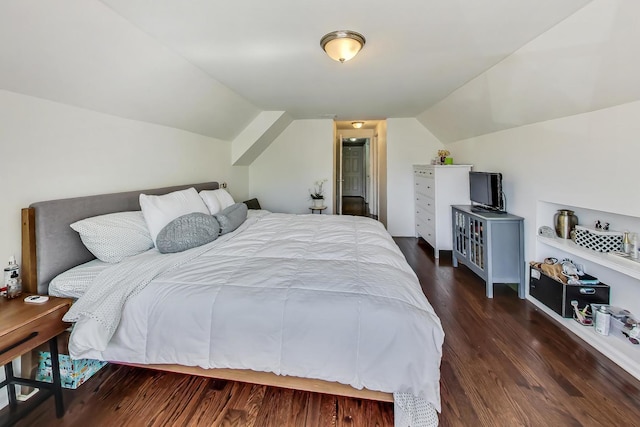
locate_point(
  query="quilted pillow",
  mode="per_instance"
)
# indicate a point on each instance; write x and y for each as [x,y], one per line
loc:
[186,232]
[113,237]
[231,217]
[159,211]
[216,200]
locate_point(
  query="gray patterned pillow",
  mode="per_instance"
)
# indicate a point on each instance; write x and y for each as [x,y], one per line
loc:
[186,232]
[231,217]
[113,237]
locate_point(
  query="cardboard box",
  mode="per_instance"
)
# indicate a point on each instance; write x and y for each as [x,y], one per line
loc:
[73,373]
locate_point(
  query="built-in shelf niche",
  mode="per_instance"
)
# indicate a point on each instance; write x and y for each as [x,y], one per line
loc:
[623,275]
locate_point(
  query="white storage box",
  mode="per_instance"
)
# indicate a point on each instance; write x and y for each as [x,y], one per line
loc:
[598,240]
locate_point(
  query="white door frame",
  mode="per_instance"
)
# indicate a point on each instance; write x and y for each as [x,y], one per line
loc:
[340,180]
[373,154]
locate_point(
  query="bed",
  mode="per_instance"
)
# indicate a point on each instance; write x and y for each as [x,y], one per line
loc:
[313,302]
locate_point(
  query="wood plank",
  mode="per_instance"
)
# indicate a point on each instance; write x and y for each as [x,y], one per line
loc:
[28,271]
[276,408]
[321,410]
[270,379]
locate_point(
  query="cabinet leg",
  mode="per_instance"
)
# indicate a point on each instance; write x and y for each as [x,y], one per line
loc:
[489,289]
[454,260]
[11,388]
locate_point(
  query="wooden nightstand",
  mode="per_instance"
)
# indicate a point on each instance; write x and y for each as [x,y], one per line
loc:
[23,327]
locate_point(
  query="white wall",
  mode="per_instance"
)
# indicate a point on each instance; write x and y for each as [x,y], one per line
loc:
[50,150]
[589,160]
[585,63]
[86,54]
[283,174]
[303,153]
[408,143]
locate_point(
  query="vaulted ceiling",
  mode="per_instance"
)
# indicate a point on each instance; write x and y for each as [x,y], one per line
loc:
[211,67]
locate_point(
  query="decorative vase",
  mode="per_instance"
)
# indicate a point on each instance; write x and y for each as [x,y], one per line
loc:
[565,222]
[318,203]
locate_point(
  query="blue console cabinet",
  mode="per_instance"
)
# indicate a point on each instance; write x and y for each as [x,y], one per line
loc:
[491,244]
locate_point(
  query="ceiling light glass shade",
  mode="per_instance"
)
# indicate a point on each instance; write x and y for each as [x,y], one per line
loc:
[342,45]
[357,125]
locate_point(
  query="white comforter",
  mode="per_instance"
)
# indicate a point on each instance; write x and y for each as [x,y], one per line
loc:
[315,296]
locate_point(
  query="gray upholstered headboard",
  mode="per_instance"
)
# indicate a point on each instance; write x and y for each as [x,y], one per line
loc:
[55,246]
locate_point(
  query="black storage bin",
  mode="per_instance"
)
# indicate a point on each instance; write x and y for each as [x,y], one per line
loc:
[558,296]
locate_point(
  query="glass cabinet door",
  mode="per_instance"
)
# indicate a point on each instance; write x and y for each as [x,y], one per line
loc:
[461,235]
[477,241]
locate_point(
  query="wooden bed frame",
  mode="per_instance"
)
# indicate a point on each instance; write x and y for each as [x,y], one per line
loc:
[29,277]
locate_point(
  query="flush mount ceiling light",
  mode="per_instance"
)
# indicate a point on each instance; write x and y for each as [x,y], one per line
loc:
[357,125]
[342,45]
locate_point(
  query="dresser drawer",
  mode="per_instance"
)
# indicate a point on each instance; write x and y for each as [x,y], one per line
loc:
[424,171]
[30,335]
[426,217]
[426,186]
[427,232]
[426,203]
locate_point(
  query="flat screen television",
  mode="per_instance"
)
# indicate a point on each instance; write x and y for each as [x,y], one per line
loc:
[485,190]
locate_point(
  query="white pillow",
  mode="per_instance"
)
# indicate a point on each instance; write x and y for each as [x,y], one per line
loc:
[113,237]
[159,211]
[212,202]
[217,200]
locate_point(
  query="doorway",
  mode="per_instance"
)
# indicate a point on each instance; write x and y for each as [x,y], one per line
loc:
[360,169]
[354,167]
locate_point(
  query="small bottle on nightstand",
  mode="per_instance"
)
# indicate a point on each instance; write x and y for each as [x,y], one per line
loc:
[12,280]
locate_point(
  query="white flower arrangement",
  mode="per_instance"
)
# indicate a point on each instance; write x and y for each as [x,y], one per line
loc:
[318,191]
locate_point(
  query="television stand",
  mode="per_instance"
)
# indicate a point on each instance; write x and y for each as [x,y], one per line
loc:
[491,244]
[482,209]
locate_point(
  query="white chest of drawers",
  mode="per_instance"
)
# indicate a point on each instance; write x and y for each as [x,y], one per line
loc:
[436,188]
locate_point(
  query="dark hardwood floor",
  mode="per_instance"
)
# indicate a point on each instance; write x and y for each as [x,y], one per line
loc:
[504,363]
[354,206]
